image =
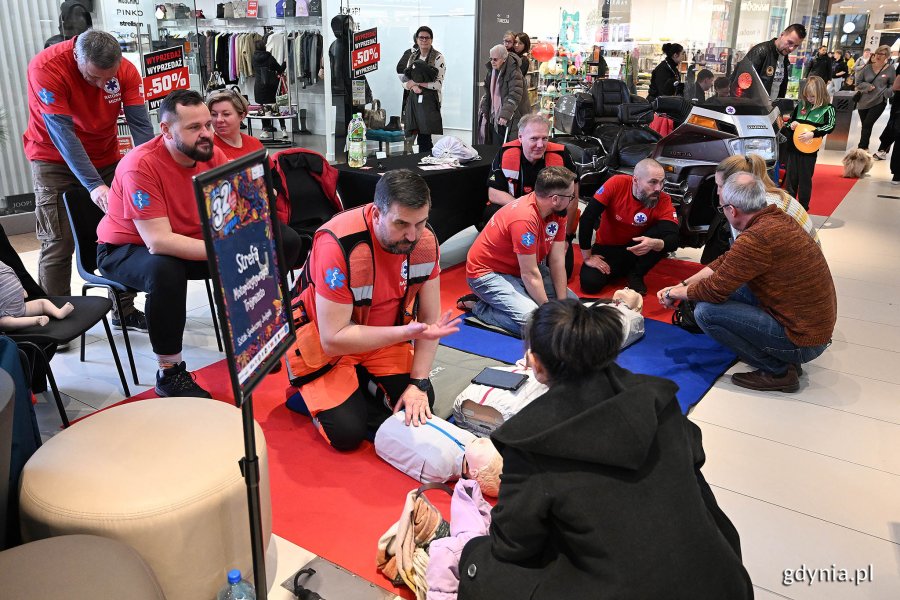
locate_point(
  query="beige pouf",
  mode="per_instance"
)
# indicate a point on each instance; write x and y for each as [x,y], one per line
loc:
[160,475]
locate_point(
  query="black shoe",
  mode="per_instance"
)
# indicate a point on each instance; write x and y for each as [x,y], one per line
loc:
[136,321]
[393,124]
[762,381]
[636,282]
[177,382]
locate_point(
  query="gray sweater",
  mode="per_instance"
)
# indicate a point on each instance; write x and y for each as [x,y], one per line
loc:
[874,85]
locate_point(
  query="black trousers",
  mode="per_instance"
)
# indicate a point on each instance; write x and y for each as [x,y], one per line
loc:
[798,175]
[621,262]
[424,142]
[347,424]
[867,117]
[889,135]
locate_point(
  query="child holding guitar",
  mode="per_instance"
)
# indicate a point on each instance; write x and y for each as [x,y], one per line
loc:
[811,120]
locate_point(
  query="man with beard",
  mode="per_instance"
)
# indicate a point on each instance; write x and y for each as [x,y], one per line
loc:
[369,315]
[517,262]
[770,59]
[151,238]
[639,227]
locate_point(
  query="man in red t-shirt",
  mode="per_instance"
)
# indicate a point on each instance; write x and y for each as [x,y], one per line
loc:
[76,90]
[517,262]
[367,270]
[639,227]
[151,237]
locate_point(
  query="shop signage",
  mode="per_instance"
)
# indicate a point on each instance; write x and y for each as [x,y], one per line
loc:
[125,144]
[236,206]
[252,9]
[164,72]
[366,52]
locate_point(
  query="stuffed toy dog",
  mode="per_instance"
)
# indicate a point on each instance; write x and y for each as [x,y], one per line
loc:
[857,163]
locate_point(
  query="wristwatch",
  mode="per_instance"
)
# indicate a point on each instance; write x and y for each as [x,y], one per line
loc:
[422,384]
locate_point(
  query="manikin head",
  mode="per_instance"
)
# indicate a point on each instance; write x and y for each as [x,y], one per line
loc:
[484,464]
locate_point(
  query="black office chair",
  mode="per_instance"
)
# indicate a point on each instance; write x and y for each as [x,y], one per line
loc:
[84,216]
[89,310]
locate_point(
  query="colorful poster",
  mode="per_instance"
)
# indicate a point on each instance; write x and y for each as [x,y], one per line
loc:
[235,208]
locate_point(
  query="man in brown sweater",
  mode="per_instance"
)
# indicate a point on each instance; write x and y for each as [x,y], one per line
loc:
[770,298]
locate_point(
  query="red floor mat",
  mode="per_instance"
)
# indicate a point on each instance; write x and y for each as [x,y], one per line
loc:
[829,188]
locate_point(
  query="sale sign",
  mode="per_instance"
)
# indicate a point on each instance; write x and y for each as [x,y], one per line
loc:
[252,9]
[366,52]
[164,72]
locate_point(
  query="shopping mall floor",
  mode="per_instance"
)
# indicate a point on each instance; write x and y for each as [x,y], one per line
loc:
[810,479]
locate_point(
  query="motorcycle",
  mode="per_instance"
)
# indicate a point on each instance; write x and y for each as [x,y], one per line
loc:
[742,122]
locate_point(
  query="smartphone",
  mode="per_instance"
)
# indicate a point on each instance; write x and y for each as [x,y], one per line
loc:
[500,379]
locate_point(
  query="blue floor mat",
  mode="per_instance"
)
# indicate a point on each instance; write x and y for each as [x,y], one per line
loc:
[693,361]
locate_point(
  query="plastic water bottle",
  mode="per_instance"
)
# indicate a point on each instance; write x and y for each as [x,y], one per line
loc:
[356,142]
[236,588]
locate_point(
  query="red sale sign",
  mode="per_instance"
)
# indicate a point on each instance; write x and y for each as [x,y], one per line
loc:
[164,73]
[366,52]
[252,9]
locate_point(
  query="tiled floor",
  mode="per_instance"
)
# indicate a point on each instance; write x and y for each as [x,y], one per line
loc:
[810,479]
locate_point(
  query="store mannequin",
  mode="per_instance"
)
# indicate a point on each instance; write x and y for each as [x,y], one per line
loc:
[341,80]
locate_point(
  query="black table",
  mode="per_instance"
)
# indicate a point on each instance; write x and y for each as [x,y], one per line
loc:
[458,196]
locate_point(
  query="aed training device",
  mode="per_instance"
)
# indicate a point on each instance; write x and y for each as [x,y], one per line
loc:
[500,379]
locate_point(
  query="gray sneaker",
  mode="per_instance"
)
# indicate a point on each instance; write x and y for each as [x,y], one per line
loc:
[176,381]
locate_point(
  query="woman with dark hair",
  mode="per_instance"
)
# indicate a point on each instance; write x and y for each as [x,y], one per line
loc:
[522,47]
[601,494]
[666,77]
[423,78]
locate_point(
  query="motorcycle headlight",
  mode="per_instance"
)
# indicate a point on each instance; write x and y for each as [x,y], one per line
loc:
[764,147]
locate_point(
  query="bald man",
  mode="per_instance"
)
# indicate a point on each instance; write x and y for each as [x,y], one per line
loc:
[636,227]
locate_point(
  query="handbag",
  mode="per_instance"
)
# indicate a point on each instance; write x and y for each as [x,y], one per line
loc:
[375,117]
[282,97]
[684,317]
[215,82]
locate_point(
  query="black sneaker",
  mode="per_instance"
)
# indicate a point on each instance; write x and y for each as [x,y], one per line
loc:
[135,321]
[176,381]
[636,282]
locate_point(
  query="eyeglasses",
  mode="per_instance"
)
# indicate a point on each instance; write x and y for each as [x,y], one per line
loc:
[568,197]
[881,53]
[721,208]
[424,37]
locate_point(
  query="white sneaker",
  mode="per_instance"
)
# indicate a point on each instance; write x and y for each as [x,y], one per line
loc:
[895,183]
[285,135]
[880,155]
[265,135]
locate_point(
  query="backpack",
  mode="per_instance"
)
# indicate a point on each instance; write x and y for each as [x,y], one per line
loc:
[74,18]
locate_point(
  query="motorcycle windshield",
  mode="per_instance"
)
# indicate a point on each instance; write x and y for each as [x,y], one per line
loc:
[746,94]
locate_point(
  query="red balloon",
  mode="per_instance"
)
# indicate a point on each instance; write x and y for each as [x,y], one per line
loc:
[543,51]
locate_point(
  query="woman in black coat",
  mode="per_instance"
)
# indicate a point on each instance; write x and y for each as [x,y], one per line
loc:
[601,494]
[266,71]
[666,77]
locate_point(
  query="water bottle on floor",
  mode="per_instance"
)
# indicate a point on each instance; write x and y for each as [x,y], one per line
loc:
[236,588]
[356,142]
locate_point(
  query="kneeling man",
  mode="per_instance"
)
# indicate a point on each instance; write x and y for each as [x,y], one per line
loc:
[770,298]
[506,265]
[637,229]
[370,269]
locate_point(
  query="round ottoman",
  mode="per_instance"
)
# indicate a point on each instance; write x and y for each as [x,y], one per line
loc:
[160,475]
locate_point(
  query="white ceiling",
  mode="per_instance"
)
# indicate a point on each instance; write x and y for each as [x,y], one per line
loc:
[875,7]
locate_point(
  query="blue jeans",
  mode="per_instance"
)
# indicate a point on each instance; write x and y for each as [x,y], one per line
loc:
[752,333]
[505,302]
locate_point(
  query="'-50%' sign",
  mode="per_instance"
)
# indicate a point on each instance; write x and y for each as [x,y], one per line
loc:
[164,73]
[366,52]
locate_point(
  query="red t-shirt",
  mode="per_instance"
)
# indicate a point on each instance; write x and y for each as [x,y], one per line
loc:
[250,144]
[149,184]
[56,87]
[625,217]
[328,270]
[516,228]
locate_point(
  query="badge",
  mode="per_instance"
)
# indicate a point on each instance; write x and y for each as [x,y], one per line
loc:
[528,239]
[404,270]
[770,70]
[46,96]
[112,86]
[730,110]
[335,278]
[140,199]
[551,229]
[640,218]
